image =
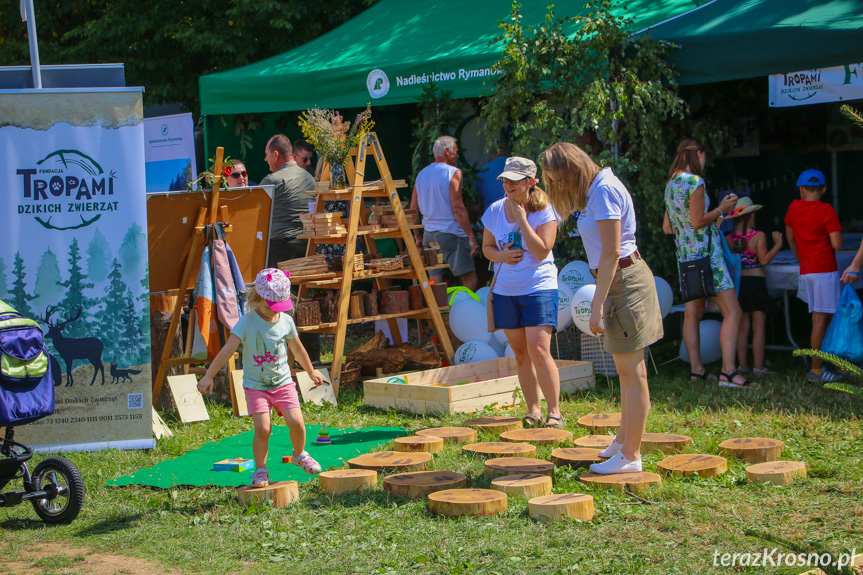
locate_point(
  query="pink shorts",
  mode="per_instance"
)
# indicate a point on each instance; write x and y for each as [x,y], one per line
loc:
[282,398]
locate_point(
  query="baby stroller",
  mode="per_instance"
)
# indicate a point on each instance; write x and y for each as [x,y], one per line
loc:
[54,488]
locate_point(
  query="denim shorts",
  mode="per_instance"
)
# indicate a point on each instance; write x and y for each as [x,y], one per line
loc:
[531,310]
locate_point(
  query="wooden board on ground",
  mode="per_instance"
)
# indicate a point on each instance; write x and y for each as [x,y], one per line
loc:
[347,480]
[688,464]
[391,460]
[516,466]
[753,449]
[501,449]
[575,457]
[427,443]
[421,484]
[238,396]
[451,434]
[523,485]
[667,443]
[600,423]
[636,481]
[540,436]
[494,425]
[281,493]
[187,398]
[593,441]
[316,394]
[160,428]
[560,506]
[469,502]
[776,472]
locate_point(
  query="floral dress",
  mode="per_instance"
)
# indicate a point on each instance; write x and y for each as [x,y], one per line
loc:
[695,244]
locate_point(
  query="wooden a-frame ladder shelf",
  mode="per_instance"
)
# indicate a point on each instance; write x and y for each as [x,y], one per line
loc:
[355,194]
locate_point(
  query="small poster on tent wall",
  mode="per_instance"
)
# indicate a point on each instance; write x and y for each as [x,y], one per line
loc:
[74,257]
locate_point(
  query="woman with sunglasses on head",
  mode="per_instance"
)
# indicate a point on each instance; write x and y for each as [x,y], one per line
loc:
[625,306]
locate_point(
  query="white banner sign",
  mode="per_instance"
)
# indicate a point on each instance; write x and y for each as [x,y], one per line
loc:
[836,84]
[74,257]
[169,150]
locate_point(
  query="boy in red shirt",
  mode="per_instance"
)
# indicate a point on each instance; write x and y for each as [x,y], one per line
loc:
[814,234]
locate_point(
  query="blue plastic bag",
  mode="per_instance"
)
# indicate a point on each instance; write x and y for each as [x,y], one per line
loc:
[733,262]
[845,335]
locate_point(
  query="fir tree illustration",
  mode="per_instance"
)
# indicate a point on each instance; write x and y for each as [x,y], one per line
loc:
[98,256]
[19,298]
[131,341]
[75,297]
[4,291]
[112,317]
[133,253]
[144,355]
[48,290]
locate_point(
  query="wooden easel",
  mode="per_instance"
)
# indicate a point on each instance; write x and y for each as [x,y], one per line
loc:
[357,190]
[210,216]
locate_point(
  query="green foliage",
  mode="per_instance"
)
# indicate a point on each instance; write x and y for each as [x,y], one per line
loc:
[18,297]
[805,548]
[852,114]
[851,368]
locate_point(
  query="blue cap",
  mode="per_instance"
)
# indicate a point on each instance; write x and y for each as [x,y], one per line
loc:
[812,178]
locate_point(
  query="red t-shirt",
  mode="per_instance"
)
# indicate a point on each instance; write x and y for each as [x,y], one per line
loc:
[812,223]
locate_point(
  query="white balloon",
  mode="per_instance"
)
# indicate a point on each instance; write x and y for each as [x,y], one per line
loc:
[473,351]
[580,307]
[507,351]
[711,350]
[496,346]
[483,294]
[666,296]
[499,336]
[564,313]
[575,275]
[468,320]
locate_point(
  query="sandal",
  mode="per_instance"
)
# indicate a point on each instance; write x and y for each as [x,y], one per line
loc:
[530,420]
[558,425]
[729,381]
[702,376]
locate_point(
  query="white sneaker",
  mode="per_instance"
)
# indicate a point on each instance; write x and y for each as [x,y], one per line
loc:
[611,449]
[617,464]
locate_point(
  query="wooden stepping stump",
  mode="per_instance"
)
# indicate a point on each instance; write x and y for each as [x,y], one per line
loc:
[495,425]
[280,493]
[776,472]
[636,481]
[517,465]
[501,449]
[470,502]
[427,443]
[347,480]
[451,434]
[753,449]
[593,441]
[575,457]
[391,461]
[540,436]
[523,485]
[600,423]
[689,464]
[420,484]
[667,443]
[556,507]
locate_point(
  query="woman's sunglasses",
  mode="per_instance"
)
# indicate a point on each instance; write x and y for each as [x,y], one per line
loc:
[238,174]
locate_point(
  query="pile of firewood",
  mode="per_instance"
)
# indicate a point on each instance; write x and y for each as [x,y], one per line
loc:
[305,267]
[378,354]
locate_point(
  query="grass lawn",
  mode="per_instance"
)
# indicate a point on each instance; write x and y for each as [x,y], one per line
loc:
[206,531]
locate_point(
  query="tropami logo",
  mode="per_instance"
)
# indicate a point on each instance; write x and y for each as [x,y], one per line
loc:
[66,182]
[378,83]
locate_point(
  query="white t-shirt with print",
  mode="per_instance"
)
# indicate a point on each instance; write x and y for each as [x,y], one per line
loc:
[607,199]
[530,275]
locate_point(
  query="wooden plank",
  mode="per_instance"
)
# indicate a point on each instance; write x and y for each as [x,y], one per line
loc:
[421,406]
[238,396]
[317,395]
[187,398]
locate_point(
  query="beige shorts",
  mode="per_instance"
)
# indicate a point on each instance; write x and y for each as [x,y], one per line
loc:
[631,312]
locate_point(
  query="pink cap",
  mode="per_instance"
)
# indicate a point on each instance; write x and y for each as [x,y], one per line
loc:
[274,286]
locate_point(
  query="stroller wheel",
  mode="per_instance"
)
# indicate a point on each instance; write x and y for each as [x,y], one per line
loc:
[60,475]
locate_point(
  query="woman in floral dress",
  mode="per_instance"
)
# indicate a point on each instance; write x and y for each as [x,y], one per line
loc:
[689,217]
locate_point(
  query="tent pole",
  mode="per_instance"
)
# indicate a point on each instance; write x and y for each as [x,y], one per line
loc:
[29,15]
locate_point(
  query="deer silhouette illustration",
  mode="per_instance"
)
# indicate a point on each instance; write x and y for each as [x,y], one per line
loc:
[72,348]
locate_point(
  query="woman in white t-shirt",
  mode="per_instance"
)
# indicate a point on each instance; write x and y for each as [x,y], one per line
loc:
[518,237]
[625,306]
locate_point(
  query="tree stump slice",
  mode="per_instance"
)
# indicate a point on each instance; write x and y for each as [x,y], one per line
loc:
[689,464]
[500,449]
[393,302]
[556,507]
[517,465]
[776,472]
[423,483]
[347,480]
[523,485]
[753,449]
[281,493]
[600,423]
[575,457]
[370,304]
[667,443]
[427,443]
[391,461]
[495,425]
[593,441]
[637,481]
[416,298]
[451,434]
[329,310]
[356,309]
[539,436]
[470,502]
